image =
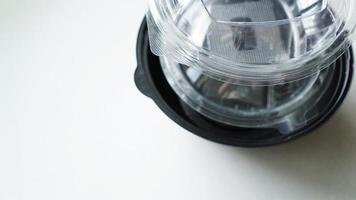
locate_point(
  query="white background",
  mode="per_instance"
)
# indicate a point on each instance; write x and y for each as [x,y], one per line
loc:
[73,125]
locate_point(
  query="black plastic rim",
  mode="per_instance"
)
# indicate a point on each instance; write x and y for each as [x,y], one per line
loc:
[150,80]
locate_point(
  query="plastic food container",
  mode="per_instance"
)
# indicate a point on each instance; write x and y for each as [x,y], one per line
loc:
[247,72]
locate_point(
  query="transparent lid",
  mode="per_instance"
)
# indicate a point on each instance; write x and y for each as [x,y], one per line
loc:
[258,42]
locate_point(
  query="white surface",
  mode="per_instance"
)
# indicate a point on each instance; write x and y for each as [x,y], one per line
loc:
[73,125]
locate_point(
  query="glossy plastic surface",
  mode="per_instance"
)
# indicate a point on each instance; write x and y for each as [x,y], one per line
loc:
[286,107]
[151,81]
[252,42]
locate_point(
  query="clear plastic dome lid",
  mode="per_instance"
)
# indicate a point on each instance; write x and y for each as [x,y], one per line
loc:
[258,42]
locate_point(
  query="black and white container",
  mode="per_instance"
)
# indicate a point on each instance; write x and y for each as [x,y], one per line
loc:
[247,72]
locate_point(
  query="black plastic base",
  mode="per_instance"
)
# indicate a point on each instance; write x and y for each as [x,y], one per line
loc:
[151,81]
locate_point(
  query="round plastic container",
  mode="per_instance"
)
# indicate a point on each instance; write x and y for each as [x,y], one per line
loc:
[247,72]
[252,42]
